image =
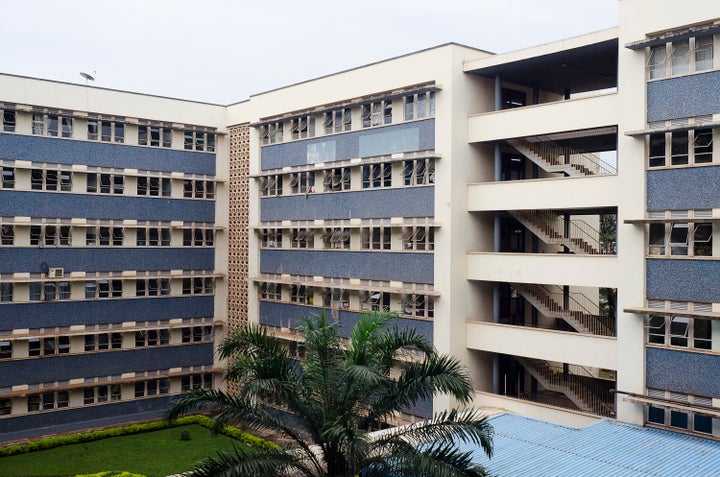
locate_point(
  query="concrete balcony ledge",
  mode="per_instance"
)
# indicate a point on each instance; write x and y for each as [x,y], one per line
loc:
[544,268]
[540,343]
[544,118]
[551,193]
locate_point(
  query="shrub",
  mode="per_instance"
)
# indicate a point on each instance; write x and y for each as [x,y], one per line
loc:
[50,442]
[185,435]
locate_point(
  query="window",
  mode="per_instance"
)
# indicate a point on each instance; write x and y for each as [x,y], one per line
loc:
[5,407]
[377,175]
[376,113]
[302,182]
[375,301]
[6,291]
[337,179]
[419,306]
[302,127]
[271,238]
[154,186]
[152,338]
[109,130]
[152,237]
[336,238]
[48,346]
[7,234]
[302,238]
[419,172]
[102,394]
[49,291]
[38,124]
[199,189]
[5,349]
[197,334]
[376,238]
[104,236]
[52,125]
[686,239]
[103,289]
[8,178]
[103,341]
[48,400]
[271,185]
[49,180]
[336,297]
[198,286]
[270,291]
[271,133]
[694,421]
[8,121]
[152,135]
[199,141]
[108,183]
[152,387]
[152,287]
[198,237]
[196,381]
[420,105]
[301,294]
[679,331]
[419,238]
[50,235]
[680,57]
[338,120]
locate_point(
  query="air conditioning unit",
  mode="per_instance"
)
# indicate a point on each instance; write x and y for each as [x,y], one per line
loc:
[56,272]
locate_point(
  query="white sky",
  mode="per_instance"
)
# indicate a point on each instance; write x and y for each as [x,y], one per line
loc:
[223,51]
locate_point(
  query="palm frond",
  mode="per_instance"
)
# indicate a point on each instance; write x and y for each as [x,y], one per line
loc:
[436,460]
[447,427]
[250,461]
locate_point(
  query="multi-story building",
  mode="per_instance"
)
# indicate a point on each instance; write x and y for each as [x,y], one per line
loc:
[113,253]
[546,215]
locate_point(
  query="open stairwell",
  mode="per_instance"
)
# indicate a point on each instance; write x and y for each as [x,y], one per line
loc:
[552,157]
[587,397]
[544,225]
[584,316]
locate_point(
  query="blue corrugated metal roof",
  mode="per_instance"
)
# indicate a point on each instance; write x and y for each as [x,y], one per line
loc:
[530,447]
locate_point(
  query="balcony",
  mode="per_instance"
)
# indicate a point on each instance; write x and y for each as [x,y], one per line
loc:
[555,193]
[537,343]
[552,269]
[546,118]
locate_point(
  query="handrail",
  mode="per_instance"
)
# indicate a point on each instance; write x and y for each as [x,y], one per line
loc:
[581,308]
[582,234]
[593,397]
[587,163]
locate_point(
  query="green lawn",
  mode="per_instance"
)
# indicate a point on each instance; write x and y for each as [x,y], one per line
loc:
[155,454]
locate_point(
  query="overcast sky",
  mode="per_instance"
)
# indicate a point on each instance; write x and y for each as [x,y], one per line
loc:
[223,51]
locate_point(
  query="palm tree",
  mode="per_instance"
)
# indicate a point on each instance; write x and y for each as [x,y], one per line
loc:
[333,399]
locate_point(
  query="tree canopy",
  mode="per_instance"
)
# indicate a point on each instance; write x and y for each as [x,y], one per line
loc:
[328,404]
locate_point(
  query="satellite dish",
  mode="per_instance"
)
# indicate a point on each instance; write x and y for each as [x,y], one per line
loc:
[87,77]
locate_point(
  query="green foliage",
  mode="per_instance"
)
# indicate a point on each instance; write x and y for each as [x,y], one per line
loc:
[51,442]
[111,473]
[335,397]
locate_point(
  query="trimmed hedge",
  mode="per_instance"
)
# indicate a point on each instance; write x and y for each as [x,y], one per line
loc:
[50,442]
[111,473]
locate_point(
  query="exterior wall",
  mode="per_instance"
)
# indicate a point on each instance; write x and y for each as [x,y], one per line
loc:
[156,343]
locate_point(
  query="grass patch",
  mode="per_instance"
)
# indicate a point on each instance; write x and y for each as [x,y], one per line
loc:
[154,454]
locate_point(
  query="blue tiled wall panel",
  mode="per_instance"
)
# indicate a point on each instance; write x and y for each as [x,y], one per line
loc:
[35,259]
[49,204]
[683,280]
[379,203]
[683,189]
[406,267]
[288,316]
[414,136]
[63,151]
[681,98]
[64,367]
[67,313]
[683,372]
[65,420]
